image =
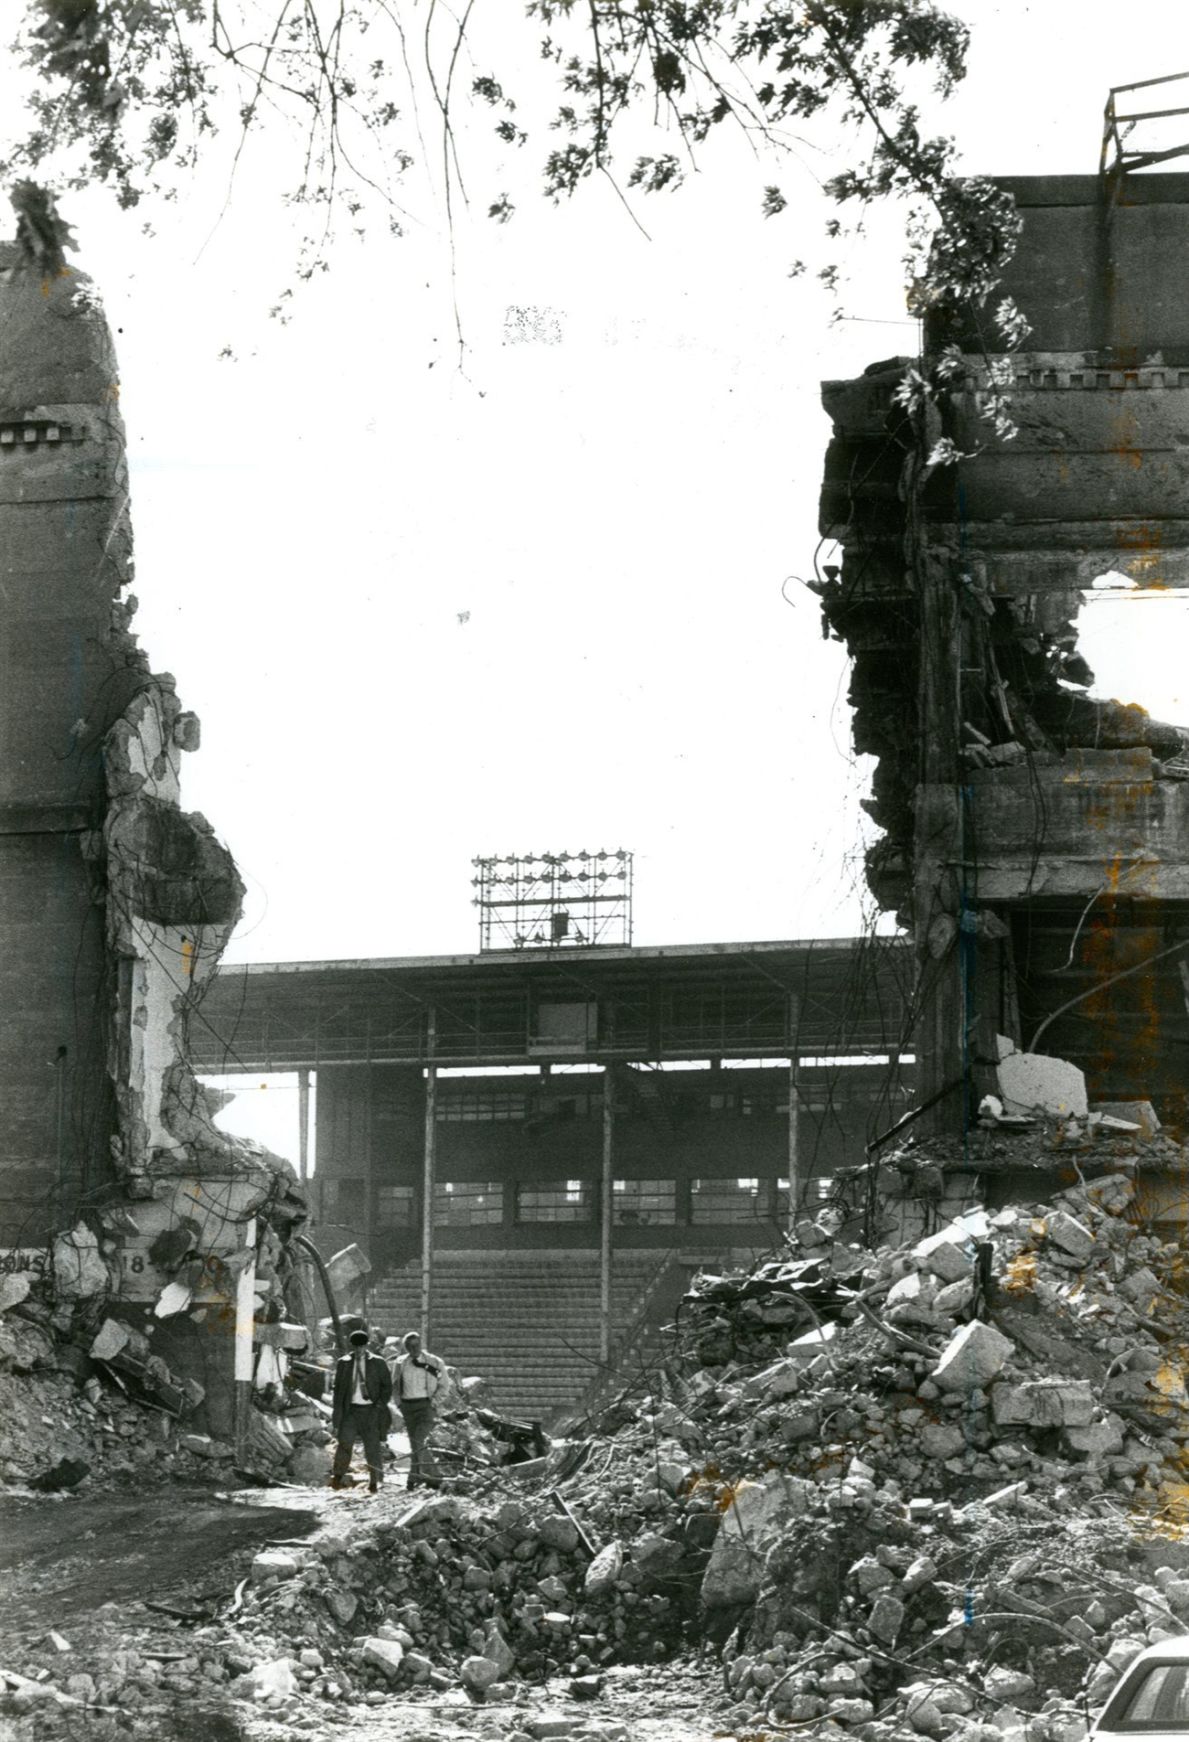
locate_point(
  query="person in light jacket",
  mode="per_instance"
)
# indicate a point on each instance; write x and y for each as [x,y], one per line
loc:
[416,1379]
[359,1410]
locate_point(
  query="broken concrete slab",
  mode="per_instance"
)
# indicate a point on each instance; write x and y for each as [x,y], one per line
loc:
[1138,1113]
[974,1356]
[757,1515]
[1031,1082]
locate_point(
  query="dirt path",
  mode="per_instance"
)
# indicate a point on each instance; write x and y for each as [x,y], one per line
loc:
[63,1559]
[672,1704]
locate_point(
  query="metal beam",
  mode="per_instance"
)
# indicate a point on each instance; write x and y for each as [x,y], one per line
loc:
[606,1206]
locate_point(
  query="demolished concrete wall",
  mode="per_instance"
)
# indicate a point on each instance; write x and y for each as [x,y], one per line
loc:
[1036,838]
[115,904]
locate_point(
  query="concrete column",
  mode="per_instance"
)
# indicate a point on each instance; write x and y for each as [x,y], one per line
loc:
[303,1124]
[369,1173]
[794,1161]
[606,1206]
[245,1318]
[428,1175]
[793,1021]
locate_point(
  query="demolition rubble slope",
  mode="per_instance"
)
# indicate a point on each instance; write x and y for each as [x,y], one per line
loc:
[859,1511]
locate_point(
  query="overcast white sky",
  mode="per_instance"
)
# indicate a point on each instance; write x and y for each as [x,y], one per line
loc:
[551,602]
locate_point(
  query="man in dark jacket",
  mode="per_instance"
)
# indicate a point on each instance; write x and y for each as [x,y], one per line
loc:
[359,1410]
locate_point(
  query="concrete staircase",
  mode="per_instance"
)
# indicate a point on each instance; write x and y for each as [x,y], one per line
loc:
[527,1322]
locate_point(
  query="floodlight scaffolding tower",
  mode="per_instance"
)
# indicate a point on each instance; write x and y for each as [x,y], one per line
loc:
[554,900]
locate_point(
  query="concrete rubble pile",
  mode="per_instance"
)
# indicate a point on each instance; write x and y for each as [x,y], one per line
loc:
[96,1388]
[846,1477]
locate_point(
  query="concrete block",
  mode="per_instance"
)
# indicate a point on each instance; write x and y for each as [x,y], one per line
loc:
[1034,1082]
[974,1356]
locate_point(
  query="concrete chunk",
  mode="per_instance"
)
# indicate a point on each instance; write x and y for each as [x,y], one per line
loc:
[779,1380]
[273,1563]
[1069,1235]
[478,1673]
[886,1619]
[1098,1439]
[111,1338]
[14,1288]
[942,1439]
[79,1270]
[387,1655]
[955,1297]
[603,1570]
[497,1650]
[974,1355]
[1043,1403]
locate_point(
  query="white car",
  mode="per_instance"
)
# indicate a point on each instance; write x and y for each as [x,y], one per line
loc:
[1152,1698]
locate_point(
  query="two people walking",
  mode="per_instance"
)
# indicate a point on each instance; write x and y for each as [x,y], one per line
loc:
[364,1387]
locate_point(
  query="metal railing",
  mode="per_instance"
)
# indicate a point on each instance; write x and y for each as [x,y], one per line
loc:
[1117,129]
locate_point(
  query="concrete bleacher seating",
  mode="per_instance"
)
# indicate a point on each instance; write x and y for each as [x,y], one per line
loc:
[526,1321]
